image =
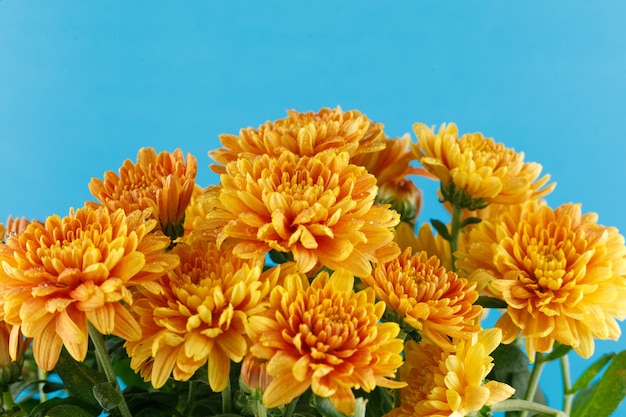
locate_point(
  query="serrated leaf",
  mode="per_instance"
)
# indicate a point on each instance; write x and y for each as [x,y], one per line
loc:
[590,373]
[107,395]
[441,228]
[607,394]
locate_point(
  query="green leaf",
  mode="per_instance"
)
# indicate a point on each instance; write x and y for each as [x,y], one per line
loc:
[557,353]
[511,367]
[490,302]
[43,409]
[107,395]
[68,410]
[606,395]
[470,220]
[441,228]
[325,407]
[78,378]
[590,373]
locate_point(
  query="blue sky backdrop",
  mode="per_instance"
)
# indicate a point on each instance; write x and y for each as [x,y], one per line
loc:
[84,85]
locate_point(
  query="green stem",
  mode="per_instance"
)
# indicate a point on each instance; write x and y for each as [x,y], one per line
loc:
[7,399]
[291,407]
[526,406]
[105,362]
[533,383]
[567,385]
[259,409]
[191,395]
[227,399]
[455,230]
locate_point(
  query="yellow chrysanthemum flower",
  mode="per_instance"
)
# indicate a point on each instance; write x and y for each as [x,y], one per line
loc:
[57,276]
[450,384]
[562,275]
[425,240]
[202,315]
[475,171]
[428,297]
[320,209]
[163,183]
[327,337]
[304,134]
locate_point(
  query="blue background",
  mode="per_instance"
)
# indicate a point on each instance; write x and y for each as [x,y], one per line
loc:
[84,85]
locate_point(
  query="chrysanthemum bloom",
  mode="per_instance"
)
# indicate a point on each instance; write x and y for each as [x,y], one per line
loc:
[304,134]
[57,276]
[201,316]
[163,183]
[428,297]
[561,274]
[450,384]
[327,337]
[475,171]
[320,209]
[425,240]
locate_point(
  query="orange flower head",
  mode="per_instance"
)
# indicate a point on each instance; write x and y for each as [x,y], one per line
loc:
[475,171]
[57,276]
[425,240]
[320,209]
[427,296]
[202,315]
[561,274]
[304,134]
[441,383]
[163,183]
[327,337]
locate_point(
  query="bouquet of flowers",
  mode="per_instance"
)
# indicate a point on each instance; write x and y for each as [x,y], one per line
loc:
[305,283]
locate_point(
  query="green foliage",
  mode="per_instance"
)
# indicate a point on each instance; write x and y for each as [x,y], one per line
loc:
[604,396]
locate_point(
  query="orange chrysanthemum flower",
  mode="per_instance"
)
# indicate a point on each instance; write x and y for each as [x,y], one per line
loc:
[201,316]
[320,209]
[14,226]
[163,183]
[561,274]
[59,275]
[327,337]
[427,296]
[425,240]
[475,171]
[304,134]
[450,384]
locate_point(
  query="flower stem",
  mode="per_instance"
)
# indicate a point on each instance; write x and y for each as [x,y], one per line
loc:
[291,407]
[526,406]
[567,385]
[105,362]
[191,395]
[227,399]
[533,383]
[7,399]
[455,230]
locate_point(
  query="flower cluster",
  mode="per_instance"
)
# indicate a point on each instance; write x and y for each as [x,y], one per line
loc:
[306,280]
